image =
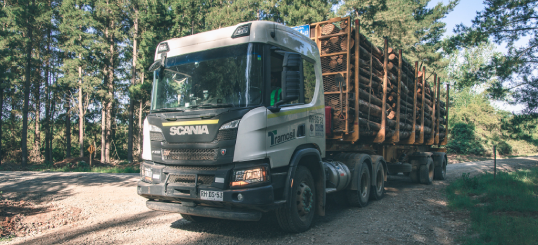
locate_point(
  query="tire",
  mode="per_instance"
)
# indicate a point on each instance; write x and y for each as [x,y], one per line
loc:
[298,215]
[196,219]
[378,189]
[360,197]
[399,168]
[414,175]
[426,173]
[440,172]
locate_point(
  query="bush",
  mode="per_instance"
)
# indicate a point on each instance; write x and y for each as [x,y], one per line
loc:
[464,140]
[504,148]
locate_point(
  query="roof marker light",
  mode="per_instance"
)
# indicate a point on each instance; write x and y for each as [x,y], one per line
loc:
[163,47]
[242,31]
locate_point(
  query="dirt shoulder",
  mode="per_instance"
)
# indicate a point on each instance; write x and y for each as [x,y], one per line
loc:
[94,208]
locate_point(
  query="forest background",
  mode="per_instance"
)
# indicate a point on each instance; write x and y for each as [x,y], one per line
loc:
[74,73]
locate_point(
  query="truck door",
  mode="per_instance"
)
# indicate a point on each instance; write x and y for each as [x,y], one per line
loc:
[290,127]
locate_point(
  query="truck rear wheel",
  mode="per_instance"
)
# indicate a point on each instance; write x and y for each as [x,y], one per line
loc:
[378,190]
[359,197]
[426,173]
[298,214]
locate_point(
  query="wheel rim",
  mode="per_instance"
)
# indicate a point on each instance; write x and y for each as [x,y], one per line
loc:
[379,182]
[305,198]
[364,185]
[430,172]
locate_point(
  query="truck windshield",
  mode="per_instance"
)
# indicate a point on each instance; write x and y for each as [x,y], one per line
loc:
[216,78]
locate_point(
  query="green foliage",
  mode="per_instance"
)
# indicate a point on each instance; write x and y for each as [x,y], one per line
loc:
[467,67]
[504,148]
[468,182]
[486,126]
[506,22]
[464,141]
[501,209]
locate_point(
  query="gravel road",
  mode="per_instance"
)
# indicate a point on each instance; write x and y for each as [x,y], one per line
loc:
[94,208]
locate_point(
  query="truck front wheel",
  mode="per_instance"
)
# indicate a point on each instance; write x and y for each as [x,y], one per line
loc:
[297,216]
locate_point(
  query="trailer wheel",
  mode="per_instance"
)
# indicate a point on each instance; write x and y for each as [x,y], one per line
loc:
[359,197]
[426,172]
[414,175]
[440,172]
[297,216]
[197,219]
[378,190]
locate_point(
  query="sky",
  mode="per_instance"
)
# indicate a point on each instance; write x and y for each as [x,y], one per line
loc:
[464,13]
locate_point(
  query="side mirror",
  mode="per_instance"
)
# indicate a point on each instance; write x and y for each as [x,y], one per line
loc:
[156,65]
[292,79]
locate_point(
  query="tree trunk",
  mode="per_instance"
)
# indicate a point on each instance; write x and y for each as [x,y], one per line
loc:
[47,103]
[131,99]
[36,149]
[1,109]
[80,111]
[52,113]
[24,133]
[67,129]
[103,131]
[110,94]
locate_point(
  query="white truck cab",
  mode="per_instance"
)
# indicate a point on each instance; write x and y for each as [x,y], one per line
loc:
[231,111]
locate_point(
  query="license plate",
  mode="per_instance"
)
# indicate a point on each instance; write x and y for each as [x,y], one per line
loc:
[211,195]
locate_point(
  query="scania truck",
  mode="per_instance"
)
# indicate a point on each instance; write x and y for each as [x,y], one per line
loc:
[263,118]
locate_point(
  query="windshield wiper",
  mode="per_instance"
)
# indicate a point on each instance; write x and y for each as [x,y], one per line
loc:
[168,110]
[215,105]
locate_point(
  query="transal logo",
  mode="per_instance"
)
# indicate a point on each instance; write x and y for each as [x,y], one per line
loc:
[189,130]
[279,139]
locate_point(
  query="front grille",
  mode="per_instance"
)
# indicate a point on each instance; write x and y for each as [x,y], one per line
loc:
[228,134]
[156,136]
[190,154]
[199,168]
[189,179]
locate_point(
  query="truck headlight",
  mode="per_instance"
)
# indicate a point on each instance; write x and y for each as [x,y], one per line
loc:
[230,125]
[150,175]
[249,176]
[146,173]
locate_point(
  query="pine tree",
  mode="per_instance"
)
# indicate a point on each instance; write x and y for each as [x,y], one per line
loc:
[298,12]
[108,16]
[76,42]
[29,41]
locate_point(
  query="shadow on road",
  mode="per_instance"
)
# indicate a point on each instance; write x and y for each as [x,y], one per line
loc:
[66,235]
[41,186]
[397,211]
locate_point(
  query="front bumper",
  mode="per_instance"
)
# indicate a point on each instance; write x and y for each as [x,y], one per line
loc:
[220,213]
[261,197]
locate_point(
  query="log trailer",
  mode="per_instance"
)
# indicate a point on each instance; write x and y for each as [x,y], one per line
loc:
[259,117]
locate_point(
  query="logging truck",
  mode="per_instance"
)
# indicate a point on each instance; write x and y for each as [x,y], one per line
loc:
[263,118]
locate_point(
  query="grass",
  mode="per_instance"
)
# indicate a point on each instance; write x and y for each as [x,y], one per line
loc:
[503,210]
[127,169]
[75,167]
